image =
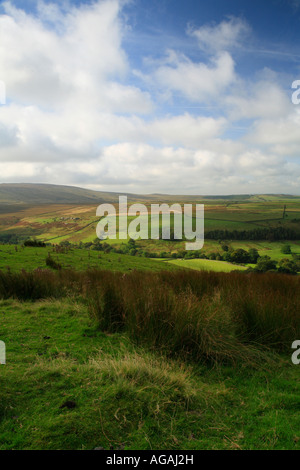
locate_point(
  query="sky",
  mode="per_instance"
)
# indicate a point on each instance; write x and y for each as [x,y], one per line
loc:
[151,96]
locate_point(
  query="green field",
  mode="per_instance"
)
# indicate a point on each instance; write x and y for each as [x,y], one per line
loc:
[16,257]
[30,258]
[206,265]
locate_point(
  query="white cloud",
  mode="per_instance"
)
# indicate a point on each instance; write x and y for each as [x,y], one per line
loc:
[144,168]
[198,82]
[264,99]
[76,114]
[73,135]
[221,37]
[280,135]
[186,130]
[77,64]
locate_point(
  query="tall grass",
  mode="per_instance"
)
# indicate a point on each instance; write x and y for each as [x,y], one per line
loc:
[214,317]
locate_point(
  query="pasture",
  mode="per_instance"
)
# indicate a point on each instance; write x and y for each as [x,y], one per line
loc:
[206,265]
[16,258]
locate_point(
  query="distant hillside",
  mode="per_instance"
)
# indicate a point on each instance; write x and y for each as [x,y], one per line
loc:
[36,194]
[51,194]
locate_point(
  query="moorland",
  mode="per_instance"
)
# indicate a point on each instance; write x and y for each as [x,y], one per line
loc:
[142,345]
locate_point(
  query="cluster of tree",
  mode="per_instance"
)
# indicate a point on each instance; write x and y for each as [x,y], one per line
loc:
[10,239]
[238,256]
[98,245]
[270,234]
[288,266]
[265,264]
[34,243]
[285,265]
[241,256]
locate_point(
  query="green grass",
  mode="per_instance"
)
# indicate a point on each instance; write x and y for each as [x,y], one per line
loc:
[206,265]
[127,397]
[30,258]
[17,258]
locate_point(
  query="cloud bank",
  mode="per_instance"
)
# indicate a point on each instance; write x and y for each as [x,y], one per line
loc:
[79,112]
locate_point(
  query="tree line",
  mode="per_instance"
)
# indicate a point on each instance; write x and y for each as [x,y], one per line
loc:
[269,234]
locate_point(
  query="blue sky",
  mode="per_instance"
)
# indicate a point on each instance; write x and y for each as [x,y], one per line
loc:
[165,96]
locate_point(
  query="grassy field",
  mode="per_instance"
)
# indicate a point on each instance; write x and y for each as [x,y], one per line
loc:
[206,265]
[16,258]
[70,385]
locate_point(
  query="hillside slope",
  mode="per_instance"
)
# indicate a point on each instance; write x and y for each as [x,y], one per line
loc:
[51,194]
[35,194]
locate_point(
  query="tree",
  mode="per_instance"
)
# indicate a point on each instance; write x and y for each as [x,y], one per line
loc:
[288,266]
[34,243]
[131,243]
[226,256]
[253,255]
[286,249]
[240,256]
[97,245]
[265,263]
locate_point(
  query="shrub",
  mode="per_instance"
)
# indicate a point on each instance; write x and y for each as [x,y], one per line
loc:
[52,263]
[286,249]
[200,316]
[265,263]
[34,243]
[288,266]
[213,317]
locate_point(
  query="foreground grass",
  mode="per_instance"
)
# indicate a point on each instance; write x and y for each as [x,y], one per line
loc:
[121,396]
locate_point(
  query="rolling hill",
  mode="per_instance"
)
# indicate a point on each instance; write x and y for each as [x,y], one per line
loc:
[51,194]
[36,194]
[57,213]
